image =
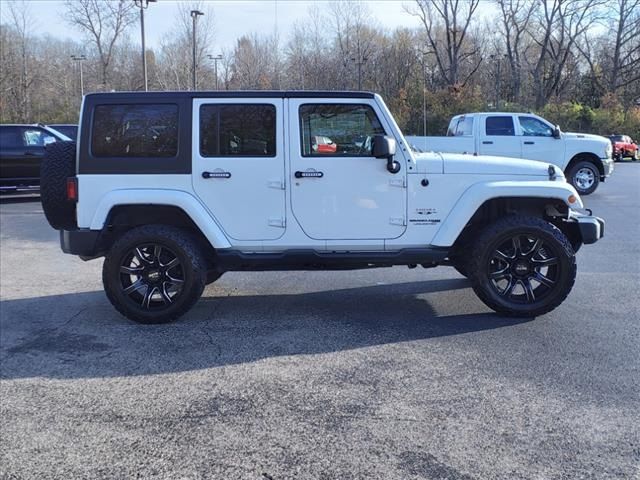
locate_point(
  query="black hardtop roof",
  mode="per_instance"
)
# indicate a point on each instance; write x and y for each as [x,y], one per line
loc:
[236,94]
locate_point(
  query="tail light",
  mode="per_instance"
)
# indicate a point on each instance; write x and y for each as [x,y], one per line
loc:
[72,189]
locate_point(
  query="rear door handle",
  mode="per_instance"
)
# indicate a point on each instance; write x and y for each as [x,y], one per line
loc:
[486,142]
[312,174]
[30,154]
[529,143]
[216,174]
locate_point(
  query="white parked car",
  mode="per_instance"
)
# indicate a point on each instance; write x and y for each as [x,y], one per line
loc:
[585,159]
[232,182]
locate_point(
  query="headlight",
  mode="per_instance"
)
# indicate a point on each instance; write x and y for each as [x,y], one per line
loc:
[608,151]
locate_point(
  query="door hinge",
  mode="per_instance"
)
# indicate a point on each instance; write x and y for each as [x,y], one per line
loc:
[278,222]
[401,221]
[277,184]
[399,182]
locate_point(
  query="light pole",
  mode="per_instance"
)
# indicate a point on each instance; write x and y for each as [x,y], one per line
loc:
[194,15]
[498,59]
[215,59]
[142,4]
[359,62]
[79,59]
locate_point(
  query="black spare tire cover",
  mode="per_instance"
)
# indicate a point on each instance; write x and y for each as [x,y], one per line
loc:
[58,164]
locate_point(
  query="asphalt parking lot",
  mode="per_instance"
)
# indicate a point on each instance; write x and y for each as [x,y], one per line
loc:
[385,374]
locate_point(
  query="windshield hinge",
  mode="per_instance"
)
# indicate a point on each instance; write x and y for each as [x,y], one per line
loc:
[278,222]
[401,221]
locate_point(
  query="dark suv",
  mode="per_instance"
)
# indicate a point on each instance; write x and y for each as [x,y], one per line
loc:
[21,151]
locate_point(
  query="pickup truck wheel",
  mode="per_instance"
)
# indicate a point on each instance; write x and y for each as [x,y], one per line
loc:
[522,266]
[58,164]
[154,273]
[585,177]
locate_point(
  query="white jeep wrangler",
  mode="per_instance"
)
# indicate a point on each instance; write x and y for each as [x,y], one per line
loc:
[174,189]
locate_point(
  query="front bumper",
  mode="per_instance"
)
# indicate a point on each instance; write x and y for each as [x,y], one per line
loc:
[591,228]
[608,164]
[85,243]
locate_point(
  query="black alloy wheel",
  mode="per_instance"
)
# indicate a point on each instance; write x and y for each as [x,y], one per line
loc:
[523,268]
[152,276]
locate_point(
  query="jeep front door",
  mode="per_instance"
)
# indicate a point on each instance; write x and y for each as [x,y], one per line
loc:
[238,165]
[339,191]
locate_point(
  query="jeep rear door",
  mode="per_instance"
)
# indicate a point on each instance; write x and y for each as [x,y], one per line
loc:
[345,193]
[238,164]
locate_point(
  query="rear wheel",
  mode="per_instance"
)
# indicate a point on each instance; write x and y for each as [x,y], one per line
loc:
[154,273]
[585,177]
[522,266]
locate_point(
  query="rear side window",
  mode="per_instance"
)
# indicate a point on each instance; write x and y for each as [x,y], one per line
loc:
[149,130]
[500,126]
[11,137]
[338,130]
[238,130]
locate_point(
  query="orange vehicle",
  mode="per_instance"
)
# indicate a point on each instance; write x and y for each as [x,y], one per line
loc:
[322,144]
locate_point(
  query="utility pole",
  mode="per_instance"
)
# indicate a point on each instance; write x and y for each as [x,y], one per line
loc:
[79,59]
[215,59]
[142,4]
[194,15]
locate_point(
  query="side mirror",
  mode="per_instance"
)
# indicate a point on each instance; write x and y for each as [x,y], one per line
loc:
[385,147]
[556,132]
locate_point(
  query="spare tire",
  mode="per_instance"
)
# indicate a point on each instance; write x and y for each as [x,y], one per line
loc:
[58,164]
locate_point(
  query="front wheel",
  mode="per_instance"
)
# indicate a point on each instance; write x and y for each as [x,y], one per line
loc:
[154,273]
[522,266]
[585,177]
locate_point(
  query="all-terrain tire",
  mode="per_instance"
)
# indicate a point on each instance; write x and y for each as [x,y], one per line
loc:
[191,261]
[585,177]
[58,164]
[557,247]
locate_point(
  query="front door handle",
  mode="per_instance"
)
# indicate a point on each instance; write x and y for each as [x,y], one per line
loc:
[529,143]
[312,174]
[486,142]
[218,174]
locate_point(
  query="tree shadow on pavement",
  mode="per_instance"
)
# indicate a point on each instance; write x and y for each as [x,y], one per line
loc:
[81,336]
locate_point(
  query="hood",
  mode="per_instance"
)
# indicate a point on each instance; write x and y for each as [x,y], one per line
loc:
[490,165]
[585,136]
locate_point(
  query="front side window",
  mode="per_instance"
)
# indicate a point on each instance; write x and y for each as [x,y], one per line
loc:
[464,127]
[144,130]
[532,127]
[338,130]
[238,130]
[500,126]
[35,137]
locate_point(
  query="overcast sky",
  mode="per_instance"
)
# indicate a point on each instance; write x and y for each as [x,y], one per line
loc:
[232,18]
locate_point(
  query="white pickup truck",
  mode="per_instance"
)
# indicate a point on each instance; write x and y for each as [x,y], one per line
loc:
[585,159]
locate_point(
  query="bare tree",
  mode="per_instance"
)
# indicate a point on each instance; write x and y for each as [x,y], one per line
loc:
[103,21]
[559,26]
[20,79]
[515,18]
[446,24]
[615,63]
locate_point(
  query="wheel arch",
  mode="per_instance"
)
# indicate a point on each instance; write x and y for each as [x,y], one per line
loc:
[585,157]
[482,203]
[130,208]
